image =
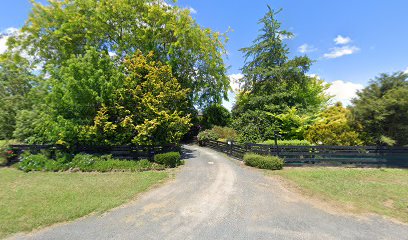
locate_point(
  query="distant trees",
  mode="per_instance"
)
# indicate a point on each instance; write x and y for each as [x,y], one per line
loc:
[273,85]
[215,115]
[381,110]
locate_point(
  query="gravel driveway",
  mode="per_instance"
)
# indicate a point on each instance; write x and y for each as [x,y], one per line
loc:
[214,197]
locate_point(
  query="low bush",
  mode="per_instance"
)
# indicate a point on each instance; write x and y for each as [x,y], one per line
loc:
[263,162]
[84,163]
[206,135]
[288,142]
[225,133]
[39,162]
[170,159]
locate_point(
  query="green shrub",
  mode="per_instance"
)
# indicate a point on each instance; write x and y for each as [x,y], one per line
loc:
[106,163]
[84,163]
[207,135]
[225,133]
[263,162]
[33,162]
[170,159]
[121,165]
[288,142]
[64,157]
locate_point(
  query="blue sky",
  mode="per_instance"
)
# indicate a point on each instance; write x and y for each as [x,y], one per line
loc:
[373,34]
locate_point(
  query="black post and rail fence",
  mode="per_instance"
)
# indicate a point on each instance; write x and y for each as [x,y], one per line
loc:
[361,156]
[125,152]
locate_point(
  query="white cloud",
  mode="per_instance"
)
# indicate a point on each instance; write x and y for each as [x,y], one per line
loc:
[306,48]
[286,37]
[192,10]
[341,51]
[314,76]
[231,100]
[4,35]
[343,91]
[3,46]
[406,71]
[235,81]
[340,40]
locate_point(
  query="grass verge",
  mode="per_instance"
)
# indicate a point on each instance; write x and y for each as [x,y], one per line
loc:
[381,191]
[38,199]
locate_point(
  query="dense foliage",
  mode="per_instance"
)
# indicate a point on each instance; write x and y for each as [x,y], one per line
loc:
[215,115]
[225,133]
[277,93]
[333,127]
[207,135]
[16,81]
[109,72]
[263,162]
[170,159]
[137,72]
[93,101]
[381,110]
[84,163]
[61,29]
[288,142]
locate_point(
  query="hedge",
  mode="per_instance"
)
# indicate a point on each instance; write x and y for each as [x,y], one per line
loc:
[170,159]
[263,162]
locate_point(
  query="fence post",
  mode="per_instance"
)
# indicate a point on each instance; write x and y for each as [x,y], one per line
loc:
[230,147]
[151,153]
[276,135]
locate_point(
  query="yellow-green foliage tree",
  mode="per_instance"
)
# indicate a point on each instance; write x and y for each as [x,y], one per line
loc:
[332,127]
[60,29]
[146,108]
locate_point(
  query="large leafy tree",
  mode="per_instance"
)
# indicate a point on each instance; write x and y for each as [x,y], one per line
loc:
[215,115]
[74,92]
[146,108]
[16,81]
[61,29]
[273,84]
[381,110]
[93,101]
[333,127]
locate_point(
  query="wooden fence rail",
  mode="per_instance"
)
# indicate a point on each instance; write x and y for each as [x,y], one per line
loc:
[377,156]
[128,152]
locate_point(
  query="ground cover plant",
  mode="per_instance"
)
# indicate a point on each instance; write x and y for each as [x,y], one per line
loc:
[263,162]
[381,191]
[83,162]
[37,199]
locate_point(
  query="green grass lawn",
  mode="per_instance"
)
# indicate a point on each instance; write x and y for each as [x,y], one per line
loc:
[37,199]
[381,191]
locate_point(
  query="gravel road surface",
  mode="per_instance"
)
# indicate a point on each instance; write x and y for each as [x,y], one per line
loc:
[214,197]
